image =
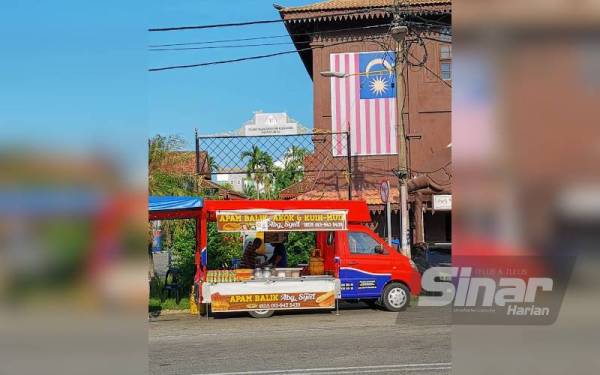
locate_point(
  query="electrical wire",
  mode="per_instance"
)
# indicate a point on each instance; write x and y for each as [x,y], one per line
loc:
[291,35]
[272,36]
[422,63]
[437,40]
[435,170]
[245,58]
[248,23]
[199,27]
[434,22]
[223,47]
[425,27]
[434,73]
[221,61]
[219,41]
[408,44]
[386,47]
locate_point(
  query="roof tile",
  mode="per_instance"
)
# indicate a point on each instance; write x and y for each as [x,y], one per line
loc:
[371,196]
[358,4]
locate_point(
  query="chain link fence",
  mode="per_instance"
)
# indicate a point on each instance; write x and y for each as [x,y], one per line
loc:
[274,166]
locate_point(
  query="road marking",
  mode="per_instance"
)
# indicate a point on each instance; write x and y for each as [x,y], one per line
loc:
[396,370]
[352,369]
[159,337]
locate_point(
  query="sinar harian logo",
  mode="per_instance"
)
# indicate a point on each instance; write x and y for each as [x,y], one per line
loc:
[516,295]
[377,79]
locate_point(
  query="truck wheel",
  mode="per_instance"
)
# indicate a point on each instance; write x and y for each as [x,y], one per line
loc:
[396,297]
[261,313]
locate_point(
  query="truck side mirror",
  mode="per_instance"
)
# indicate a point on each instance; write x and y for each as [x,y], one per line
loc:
[379,249]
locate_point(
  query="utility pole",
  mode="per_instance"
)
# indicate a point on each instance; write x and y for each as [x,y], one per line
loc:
[349,152]
[399,32]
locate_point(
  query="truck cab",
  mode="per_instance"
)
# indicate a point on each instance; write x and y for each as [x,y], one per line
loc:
[368,268]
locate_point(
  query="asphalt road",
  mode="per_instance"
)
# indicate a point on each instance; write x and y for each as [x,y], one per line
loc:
[359,340]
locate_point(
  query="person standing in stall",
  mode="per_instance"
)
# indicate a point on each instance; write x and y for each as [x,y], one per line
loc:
[279,257]
[249,256]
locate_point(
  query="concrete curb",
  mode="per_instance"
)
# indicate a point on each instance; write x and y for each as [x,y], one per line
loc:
[171,312]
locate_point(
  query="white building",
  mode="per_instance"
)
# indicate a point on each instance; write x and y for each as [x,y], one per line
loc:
[236,178]
[270,124]
[261,124]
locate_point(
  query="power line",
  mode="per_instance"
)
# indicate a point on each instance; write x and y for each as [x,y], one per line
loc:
[178,28]
[432,72]
[277,54]
[235,24]
[272,36]
[437,39]
[435,170]
[434,22]
[264,44]
[222,47]
[428,27]
[220,62]
[247,58]
[218,41]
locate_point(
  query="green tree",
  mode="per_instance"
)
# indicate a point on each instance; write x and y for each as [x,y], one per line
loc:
[212,164]
[298,246]
[227,185]
[159,148]
[249,189]
[178,235]
[162,152]
[183,249]
[259,168]
[293,168]
[222,247]
[294,158]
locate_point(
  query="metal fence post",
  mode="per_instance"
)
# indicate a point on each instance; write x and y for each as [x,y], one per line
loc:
[197,141]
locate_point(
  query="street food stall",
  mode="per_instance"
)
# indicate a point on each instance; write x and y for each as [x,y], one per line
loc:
[348,261]
[260,290]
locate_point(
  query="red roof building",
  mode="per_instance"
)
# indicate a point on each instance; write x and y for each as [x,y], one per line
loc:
[352,26]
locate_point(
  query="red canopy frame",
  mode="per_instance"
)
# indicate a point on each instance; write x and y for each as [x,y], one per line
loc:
[196,213]
[358,212]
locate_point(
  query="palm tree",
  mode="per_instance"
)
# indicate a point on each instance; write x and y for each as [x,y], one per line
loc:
[254,159]
[294,158]
[292,170]
[259,165]
[212,164]
[249,190]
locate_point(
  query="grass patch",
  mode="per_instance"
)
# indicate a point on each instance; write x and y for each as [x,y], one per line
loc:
[154,304]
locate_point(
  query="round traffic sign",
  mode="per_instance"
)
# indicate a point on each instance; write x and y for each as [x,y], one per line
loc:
[384,191]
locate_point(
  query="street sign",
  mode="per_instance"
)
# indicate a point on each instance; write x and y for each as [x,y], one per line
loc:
[442,202]
[384,191]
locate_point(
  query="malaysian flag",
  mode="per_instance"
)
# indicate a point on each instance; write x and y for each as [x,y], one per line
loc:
[364,102]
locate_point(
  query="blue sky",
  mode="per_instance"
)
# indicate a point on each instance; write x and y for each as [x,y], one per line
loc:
[222,97]
[74,73]
[71,73]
